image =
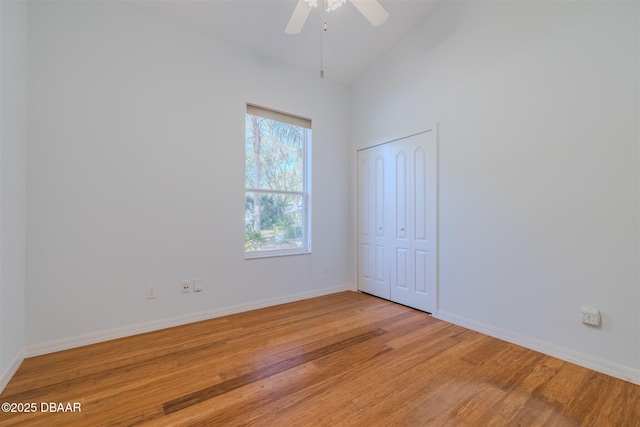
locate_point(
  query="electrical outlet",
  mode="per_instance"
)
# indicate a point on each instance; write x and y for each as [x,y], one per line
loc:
[325,268]
[186,286]
[590,316]
[151,292]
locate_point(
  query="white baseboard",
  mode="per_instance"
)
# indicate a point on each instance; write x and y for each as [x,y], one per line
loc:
[11,370]
[96,337]
[594,363]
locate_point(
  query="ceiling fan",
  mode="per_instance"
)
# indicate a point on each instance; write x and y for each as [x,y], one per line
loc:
[371,9]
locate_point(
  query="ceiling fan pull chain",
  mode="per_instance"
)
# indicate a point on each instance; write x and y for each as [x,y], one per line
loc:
[325,15]
[321,60]
[321,46]
[321,39]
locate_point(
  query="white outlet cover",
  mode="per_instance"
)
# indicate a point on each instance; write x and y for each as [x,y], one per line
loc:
[186,286]
[590,316]
[151,292]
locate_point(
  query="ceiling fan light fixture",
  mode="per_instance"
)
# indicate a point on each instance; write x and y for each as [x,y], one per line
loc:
[330,4]
[370,9]
[334,4]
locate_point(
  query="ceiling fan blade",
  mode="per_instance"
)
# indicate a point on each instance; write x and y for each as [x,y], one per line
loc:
[298,18]
[372,10]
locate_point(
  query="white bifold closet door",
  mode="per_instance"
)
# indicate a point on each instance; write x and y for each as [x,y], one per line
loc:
[397,224]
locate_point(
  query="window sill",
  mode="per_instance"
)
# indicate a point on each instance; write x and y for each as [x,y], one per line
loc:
[274,254]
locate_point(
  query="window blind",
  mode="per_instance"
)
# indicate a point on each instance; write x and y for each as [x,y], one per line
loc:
[290,119]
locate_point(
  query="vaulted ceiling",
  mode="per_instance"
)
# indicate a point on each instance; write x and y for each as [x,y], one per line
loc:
[350,45]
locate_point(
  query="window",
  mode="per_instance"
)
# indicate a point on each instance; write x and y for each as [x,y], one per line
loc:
[277,187]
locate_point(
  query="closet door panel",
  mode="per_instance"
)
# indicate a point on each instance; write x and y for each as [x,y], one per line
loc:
[401,275]
[373,251]
[364,262]
[381,173]
[420,261]
[401,196]
[365,224]
[401,268]
[419,194]
[397,221]
[423,221]
[380,261]
[419,275]
[379,193]
[364,197]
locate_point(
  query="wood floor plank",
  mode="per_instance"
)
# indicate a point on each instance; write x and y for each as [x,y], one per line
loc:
[345,359]
[268,371]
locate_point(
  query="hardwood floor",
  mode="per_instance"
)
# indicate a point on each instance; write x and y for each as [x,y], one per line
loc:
[345,359]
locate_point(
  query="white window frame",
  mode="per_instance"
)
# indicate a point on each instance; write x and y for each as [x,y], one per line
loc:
[305,123]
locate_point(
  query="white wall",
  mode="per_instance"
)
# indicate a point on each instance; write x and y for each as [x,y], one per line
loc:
[537,104]
[13,140]
[136,172]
